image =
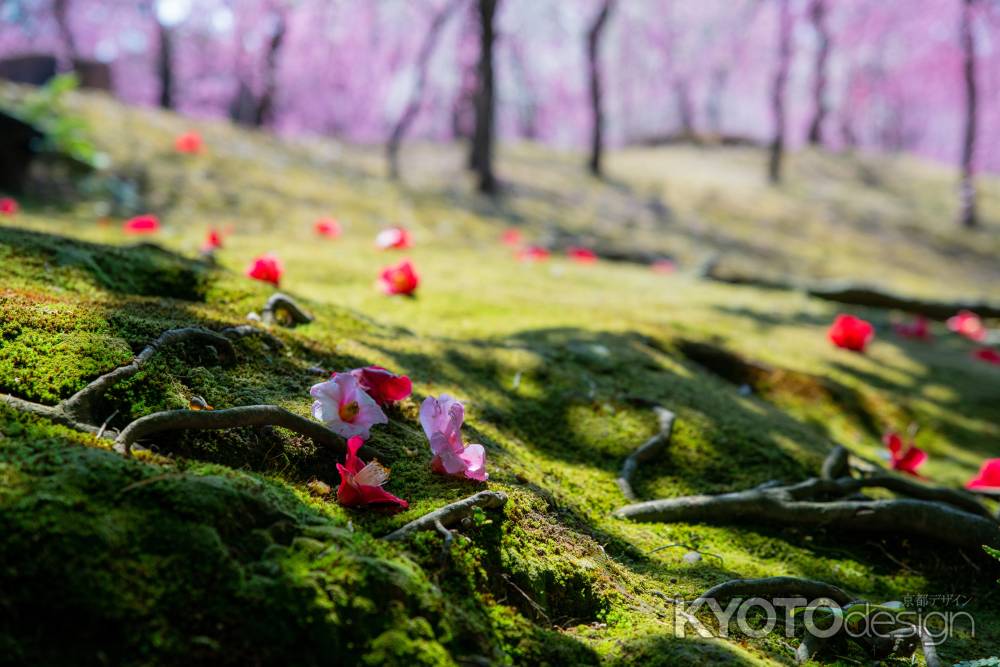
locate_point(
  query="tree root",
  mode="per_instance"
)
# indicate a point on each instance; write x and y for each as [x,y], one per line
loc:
[246,330]
[284,310]
[775,587]
[248,415]
[450,514]
[646,452]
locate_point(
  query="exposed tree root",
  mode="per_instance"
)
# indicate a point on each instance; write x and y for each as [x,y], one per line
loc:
[858,295]
[837,463]
[283,309]
[246,330]
[450,514]
[775,587]
[647,451]
[248,415]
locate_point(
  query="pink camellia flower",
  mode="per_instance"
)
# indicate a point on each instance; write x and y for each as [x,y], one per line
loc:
[988,477]
[327,227]
[344,406]
[189,142]
[851,333]
[142,224]
[394,237]
[581,255]
[511,237]
[967,324]
[267,268]
[213,241]
[361,484]
[8,206]
[533,253]
[987,354]
[383,385]
[919,328]
[442,421]
[905,457]
[663,266]
[399,279]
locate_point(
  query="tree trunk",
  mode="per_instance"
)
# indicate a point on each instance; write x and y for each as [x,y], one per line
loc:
[596,98]
[713,110]
[409,114]
[165,67]
[685,109]
[264,113]
[818,16]
[60,8]
[967,188]
[482,139]
[778,90]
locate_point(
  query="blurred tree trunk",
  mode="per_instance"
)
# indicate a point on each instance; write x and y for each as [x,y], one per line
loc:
[60,8]
[165,66]
[596,98]
[409,114]
[716,88]
[685,108]
[778,91]
[967,188]
[483,136]
[264,113]
[818,15]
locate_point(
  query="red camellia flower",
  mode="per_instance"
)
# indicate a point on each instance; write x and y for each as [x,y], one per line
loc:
[399,279]
[383,385]
[213,241]
[663,266]
[142,224]
[394,237]
[189,142]
[987,354]
[581,255]
[327,227]
[267,268]
[533,253]
[988,477]
[361,484]
[919,328]
[8,206]
[967,324]
[905,457]
[852,333]
[511,237]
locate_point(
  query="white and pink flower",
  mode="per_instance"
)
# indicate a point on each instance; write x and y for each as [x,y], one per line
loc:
[442,420]
[345,407]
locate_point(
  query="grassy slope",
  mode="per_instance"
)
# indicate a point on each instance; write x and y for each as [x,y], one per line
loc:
[545,356]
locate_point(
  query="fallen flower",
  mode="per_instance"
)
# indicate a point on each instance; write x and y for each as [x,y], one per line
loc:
[987,354]
[361,484]
[533,253]
[918,329]
[511,237]
[8,206]
[327,227]
[267,268]
[344,406]
[967,324]
[213,241]
[142,224]
[383,385]
[851,333]
[399,279]
[442,420]
[189,142]
[988,477]
[904,457]
[663,266]
[394,237]
[581,255]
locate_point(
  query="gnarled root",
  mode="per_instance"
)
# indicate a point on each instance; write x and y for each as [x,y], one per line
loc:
[646,451]
[450,514]
[282,303]
[775,587]
[248,415]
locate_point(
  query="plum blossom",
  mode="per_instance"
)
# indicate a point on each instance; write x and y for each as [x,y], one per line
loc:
[851,333]
[968,324]
[581,255]
[918,329]
[189,142]
[213,241]
[327,227]
[399,279]
[905,457]
[533,253]
[266,268]
[663,266]
[397,238]
[382,385]
[361,484]
[344,406]
[142,224]
[8,206]
[988,477]
[511,237]
[987,354]
[442,420]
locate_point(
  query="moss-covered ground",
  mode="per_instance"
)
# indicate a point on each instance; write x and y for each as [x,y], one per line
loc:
[214,548]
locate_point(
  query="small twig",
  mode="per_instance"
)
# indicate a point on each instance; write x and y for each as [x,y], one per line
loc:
[100,431]
[534,605]
[646,451]
[285,304]
[450,514]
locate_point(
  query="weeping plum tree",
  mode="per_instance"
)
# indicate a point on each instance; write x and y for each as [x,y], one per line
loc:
[967,188]
[409,114]
[818,16]
[594,71]
[483,136]
[778,86]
